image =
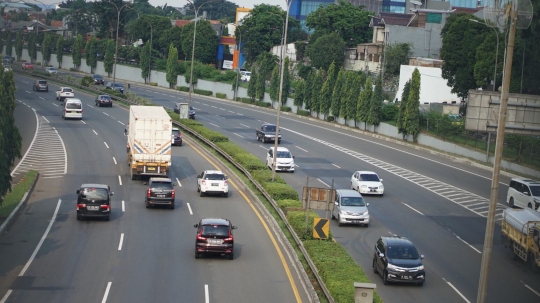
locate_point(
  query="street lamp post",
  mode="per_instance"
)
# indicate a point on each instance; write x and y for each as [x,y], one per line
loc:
[238,68]
[284,42]
[119,10]
[196,10]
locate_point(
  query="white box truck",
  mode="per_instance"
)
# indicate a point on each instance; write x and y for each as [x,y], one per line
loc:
[149,136]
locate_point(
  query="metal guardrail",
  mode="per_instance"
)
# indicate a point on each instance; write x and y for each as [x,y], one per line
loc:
[231,160]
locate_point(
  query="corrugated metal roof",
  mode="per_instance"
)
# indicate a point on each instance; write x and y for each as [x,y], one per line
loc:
[149,112]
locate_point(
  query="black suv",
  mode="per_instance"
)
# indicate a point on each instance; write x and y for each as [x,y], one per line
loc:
[98,79]
[214,236]
[160,191]
[115,86]
[94,200]
[176,136]
[103,100]
[397,260]
[41,85]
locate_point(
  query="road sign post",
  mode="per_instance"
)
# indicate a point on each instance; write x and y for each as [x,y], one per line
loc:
[321,228]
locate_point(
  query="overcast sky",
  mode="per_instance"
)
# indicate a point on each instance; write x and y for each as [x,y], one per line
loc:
[240,3]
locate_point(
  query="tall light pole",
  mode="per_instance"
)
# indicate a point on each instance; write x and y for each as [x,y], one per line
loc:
[119,10]
[196,10]
[238,68]
[280,90]
[151,33]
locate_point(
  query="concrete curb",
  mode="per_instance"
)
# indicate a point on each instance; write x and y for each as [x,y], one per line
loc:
[25,198]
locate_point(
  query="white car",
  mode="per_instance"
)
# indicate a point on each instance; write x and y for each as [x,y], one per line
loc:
[245,76]
[212,182]
[367,182]
[64,93]
[51,70]
[284,160]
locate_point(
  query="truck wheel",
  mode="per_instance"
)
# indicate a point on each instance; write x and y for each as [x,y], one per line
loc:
[258,139]
[513,255]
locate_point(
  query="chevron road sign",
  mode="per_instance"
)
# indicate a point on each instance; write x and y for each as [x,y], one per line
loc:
[321,228]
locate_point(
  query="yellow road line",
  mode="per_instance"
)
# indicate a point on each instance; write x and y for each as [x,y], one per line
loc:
[283,261]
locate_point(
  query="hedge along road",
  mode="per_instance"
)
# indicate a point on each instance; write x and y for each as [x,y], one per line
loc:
[144,255]
[437,203]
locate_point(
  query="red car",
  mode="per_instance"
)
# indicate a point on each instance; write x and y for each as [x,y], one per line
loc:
[27,65]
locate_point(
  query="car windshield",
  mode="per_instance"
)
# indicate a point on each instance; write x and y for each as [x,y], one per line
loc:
[105,97]
[161,185]
[215,230]
[535,190]
[191,108]
[98,77]
[369,177]
[402,252]
[67,90]
[248,73]
[270,128]
[73,106]
[214,177]
[352,201]
[284,154]
[94,194]
[116,85]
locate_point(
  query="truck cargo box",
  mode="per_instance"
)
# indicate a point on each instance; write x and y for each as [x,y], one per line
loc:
[518,218]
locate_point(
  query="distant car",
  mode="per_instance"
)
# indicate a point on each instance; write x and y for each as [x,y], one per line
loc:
[27,65]
[367,182]
[160,191]
[245,76]
[51,70]
[456,119]
[8,58]
[94,200]
[64,92]
[98,79]
[191,113]
[284,160]
[176,136]
[115,86]
[40,85]
[214,236]
[7,68]
[104,100]
[212,181]
[396,260]
[350,208]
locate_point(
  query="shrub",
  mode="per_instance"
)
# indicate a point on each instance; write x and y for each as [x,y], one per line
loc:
[209,134]
[279,191]
[288,203]
[302,112]
[183,88]
[153,83]
[249,162]
[246,100]
[161,64]
[285,108]
[221,95]
[230,148]
[265,176]
[190,122]
[329,118]
[72,69]
[263,104]
[114,93]
[87,81]
[238,99]
[389,112]
[297,220]
[203,92]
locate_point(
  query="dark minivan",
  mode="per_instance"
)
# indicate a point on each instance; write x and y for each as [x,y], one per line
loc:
[214,236]
[94,200]
[160,191]
[397,260]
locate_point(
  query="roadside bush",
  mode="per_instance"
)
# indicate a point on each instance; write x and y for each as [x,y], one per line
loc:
[221,95]
[329,118]
[246,100]
[249,162]
[389,112]
[238,99]
[203,92]
[114,93]
[230,148]
[227,76]
[265,175]
[263,104]
[297,220]
[302,112]
[87,81]
[208,71]
[190,122]
[280,191]
[183,88]
[209,134]
[153,83]
[288,203]
[72,69]
[286,108]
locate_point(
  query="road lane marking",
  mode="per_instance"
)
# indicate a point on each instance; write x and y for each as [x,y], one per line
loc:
[534,291]
[106,292]
[123,206]
[121,123]
[83,122]
[6,296]
[476,250]
[119,179]
[31,143]
[460,294]
[121,241]
[114,159]
[213,124]
[206,294]
[178,181]
[94,132]
[323,182]
[336,166]
[262,147]
[244,125]
[56,105]
[42,98]
[189,207]
[239,135]
[27,91]
[105,113]
[412,208]
[106,144]
[301,148]
[46,119]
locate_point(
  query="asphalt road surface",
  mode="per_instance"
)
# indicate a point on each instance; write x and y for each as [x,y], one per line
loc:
[141,255]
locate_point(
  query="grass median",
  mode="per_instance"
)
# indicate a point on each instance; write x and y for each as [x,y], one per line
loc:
[12,199]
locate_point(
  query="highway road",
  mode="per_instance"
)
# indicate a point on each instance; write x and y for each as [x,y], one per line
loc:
[141,255]
[438,203]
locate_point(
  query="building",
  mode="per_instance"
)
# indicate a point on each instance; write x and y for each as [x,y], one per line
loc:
[300,9]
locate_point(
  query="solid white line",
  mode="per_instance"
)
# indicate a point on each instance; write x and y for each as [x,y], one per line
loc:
[25,268]
[30,147]
[123,206]
[323,182]
[460,294]
[106,144]
[114,159]
[239,135]
[213,124]
[6,296]
[244,125]
[412,208]
[336,165]
[534,291]
[121,241]
[476,250]
[178,181]
[189,207]
[119,180]
[206,294]
[301,148]
[46,119]
[106,292]
[94,132]
[65,153]
[83,122]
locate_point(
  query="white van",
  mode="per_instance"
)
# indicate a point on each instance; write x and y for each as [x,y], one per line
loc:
[284,161]
[524,193]
[73,109]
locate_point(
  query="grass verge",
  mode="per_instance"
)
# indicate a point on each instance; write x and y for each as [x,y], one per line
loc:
[12,199]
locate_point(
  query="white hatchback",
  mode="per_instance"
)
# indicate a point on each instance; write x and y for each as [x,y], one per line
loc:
[367,182]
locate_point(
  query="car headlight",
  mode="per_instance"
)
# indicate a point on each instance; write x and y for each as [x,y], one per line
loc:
[342,212]
[393,267]
[381,187]
[364,213]
[421,267]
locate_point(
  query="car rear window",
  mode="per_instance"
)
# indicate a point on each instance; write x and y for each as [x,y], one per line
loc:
[175,132]
[161,185]
[94,193]
[215,230]
[214,177]
[105,97]
[68,90]
[73,106]
[352,201]
[402,252]
[42,82]
[369,177]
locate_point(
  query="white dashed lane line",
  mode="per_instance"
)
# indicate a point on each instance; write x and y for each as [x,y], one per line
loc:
[121,122]
[94,132]
[83,122]
[239,135]
[323,182]
[213,124]
[412,208]
[106,292]
[106,144]
[301,148]
[336,166]
[121,241]
[189,207]
[123,206]
[456,290]
[178,182]
[114,159]
[119,180]
[245,125]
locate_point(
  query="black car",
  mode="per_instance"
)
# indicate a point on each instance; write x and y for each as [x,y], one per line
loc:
[176,136]
[191,113]
[115,86]
[397,260]
[94,200]
[160,191]
[8,58]
[41,85]
[98,79]
[103,100]
[214,236]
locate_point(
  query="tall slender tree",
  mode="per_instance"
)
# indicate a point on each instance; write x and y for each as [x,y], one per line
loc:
[327,90]
[172,66]
[412,114]
[316,91]
[108,63]
[374,117]
[364,102]
[144,62]
[19,45]
[286,82]
[402,108]
[46,48]
[31,46]
[9,44]
[76,51]
[352,91]
[90,53]
[252,85]
[274,84]
[308,90]
[300,94]
[337,93]
[60,51]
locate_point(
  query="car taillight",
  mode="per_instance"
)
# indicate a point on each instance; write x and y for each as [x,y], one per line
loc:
[225,183]
[229,238]
[203,182]
[200,238]
[148,193]
[108,207]
[172,193]
[81,205]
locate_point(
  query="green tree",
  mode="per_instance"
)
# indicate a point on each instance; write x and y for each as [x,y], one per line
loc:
[206,42]
[90,53]
[396,54]
[19,45]
[327,90]
[108,63]
[300,94]
[485,58]
[364,102]
[352,90]
[286,82]
[172,35]
[252,85]
[216,10]
[411,119]
[155,27]
[308,94]
[377,98]
[326,50]
[172,66]
[46,46]
[9,44]
[402,108]
[10,138]
[274,84]
[3,35]
[76,51]
[31,46]
[144,63]
[316,87]
[337,93]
